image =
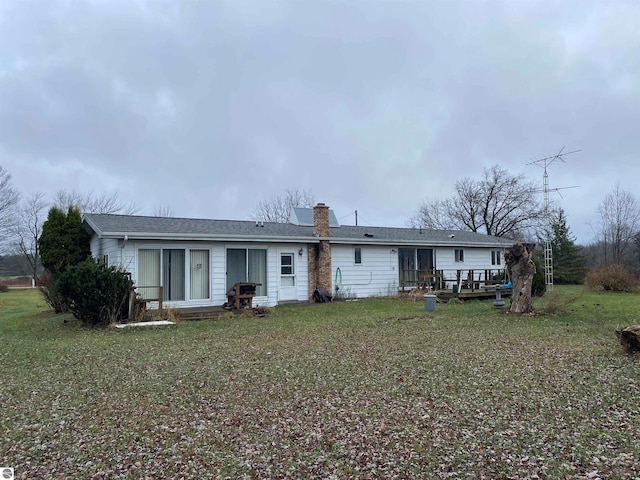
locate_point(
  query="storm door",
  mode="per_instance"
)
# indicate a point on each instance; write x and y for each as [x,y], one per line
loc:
[287,276]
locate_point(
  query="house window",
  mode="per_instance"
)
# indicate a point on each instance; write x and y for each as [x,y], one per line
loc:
[407,265]
[495,257]
[149,273]
[105,260]
[167,268]
[287,277]
[199,276]
[458,254]
[173,273]
[247,265]
[412,262]
[161,267]
[357,255]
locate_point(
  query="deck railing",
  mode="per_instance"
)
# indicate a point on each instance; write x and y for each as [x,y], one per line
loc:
[472,279]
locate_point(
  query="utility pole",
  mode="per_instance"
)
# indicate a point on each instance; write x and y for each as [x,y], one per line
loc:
[548,250]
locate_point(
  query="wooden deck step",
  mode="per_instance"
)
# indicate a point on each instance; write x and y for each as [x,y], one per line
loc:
[468,294]
[200,313]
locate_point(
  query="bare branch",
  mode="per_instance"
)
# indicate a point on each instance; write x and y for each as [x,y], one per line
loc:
[278,208]
[619,223]
[33,213]
[9,199]
[499,204]
[90,203]
[162,211]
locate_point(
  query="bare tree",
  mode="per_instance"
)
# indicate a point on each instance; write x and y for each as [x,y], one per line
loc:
[33,213]
[498,204]
[435,214]
[90,203]
[162,211]
[9,199]
[278,208]
[619,223]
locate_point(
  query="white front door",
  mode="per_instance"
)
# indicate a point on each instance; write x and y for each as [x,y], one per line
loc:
[287,276]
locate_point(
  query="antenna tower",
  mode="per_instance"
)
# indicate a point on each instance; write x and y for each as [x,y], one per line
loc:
[548,250]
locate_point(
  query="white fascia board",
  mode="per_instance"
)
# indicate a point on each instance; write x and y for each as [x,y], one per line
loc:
[208,237]
[412,243]
[280,239]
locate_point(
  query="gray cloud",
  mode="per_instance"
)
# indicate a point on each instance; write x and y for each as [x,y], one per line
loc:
[209,107]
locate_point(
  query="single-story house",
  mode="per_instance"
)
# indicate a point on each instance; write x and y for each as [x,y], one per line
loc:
[197,261]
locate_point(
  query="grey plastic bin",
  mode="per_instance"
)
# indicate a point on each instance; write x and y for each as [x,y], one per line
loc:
[430,303]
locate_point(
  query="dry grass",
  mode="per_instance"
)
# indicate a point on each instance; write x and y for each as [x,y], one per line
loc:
[367,389]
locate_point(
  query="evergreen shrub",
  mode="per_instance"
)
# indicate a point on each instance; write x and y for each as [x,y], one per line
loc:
[96,294]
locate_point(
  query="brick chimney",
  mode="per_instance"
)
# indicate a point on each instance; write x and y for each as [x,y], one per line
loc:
[320,254]
[321,220]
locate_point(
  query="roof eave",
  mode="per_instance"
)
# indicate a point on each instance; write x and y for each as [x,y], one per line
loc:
[142,236]
[90,226]
[430,243]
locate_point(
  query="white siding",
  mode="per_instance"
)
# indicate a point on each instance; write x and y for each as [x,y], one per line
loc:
[120,253]
[106,246]
[377,275]
[128,257]
[272,277]
[218,274]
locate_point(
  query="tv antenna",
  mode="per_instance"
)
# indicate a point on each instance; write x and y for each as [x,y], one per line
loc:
[548,250]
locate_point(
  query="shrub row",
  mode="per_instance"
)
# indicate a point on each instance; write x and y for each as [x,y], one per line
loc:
[616,278]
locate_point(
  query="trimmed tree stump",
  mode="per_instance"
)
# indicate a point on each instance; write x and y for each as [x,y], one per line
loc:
[630,338]
[519,262]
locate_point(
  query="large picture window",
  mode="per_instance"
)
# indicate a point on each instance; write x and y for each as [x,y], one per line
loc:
[199,274]
[414,261]
[247,265]
[167,268]
[173,274]
[149,273]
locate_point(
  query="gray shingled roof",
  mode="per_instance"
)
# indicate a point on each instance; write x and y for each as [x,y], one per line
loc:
[147,228]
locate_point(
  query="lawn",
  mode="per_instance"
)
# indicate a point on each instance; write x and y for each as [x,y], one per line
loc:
[375,388]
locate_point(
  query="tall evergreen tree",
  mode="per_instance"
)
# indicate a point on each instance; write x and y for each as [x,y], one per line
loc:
[569,264]
[63,242]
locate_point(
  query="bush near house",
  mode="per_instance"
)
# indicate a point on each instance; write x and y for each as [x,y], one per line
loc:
[96,294]
[47,285]
[616,278]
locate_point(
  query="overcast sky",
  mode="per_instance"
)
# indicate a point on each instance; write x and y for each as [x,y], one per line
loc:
[211,106]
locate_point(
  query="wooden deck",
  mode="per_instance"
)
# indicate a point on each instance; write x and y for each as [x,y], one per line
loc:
[439,279]
[469,294]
